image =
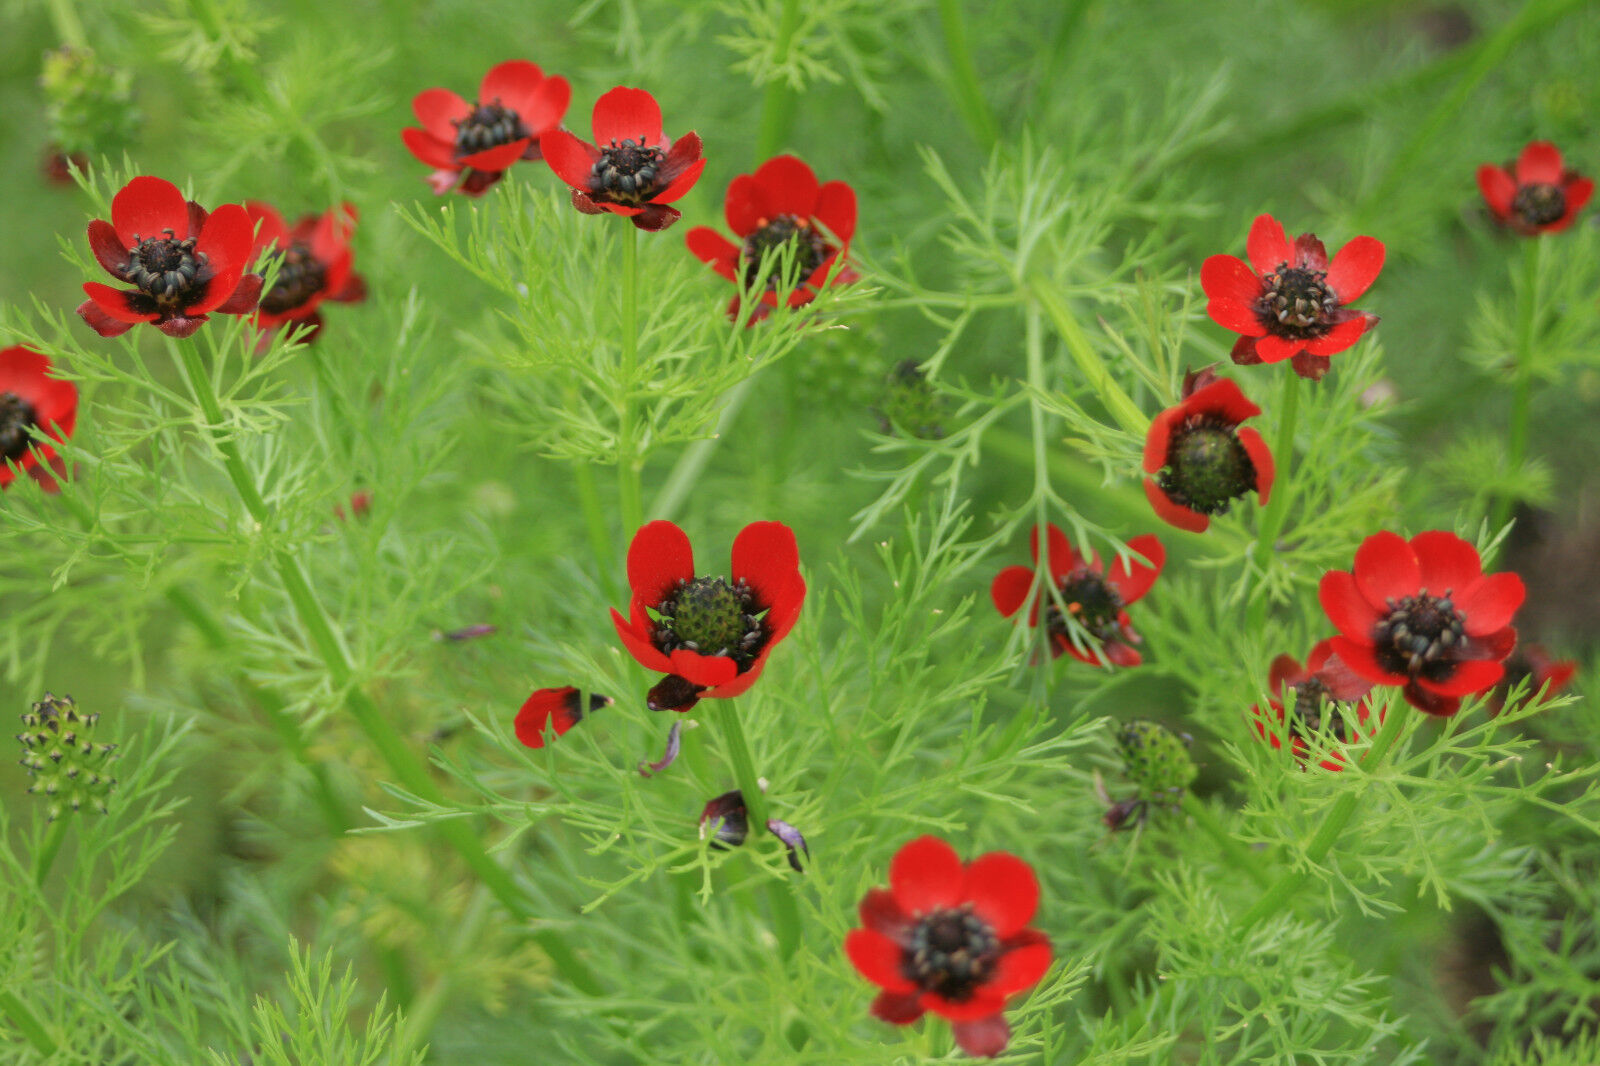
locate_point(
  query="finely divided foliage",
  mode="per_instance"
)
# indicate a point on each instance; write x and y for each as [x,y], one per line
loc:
[1090,636]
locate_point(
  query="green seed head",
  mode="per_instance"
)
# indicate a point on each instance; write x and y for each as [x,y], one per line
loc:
[1155,758]
[60,754]
[709,615]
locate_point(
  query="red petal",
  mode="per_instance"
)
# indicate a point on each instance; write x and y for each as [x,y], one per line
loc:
[1233,315]
[627,114]
[571,159]
[1224,399]
[1120,654]
[880,913]
[246,294]
[766,557]
[644,653]
[878,959]
[109,251]
[1267,245]
[1261,458]
[1060,557]
[1348,610]
[1227,277]
[1244,352]
[836,210]
[745,206]
[547,106]
[789,185]
[1578,193]
[707,671]
[1446,562]
[500,157]
[982,1038]
[556,707]
[1133,578]
[118,304]
[1158,440]
[1539,164]
[430,149]
[1474,675]
[711,247]
[983,1004]
[1274,349]
[1010,589]
[1499,190]
[226,242]
[926,874]
[680,185]
[1355,268]
[1360,659]
[1173,513]
[270,230]
[898,1008]
[435,108]
[1003,891]
[1487,607]
[145,207]
[1309,253]
[1285,670]
[95,317]
[513,83]
[1022,966]
[659,557]
[1340,337]
[1386,567]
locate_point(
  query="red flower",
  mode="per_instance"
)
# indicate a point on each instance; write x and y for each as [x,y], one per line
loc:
[1531,663]
[1095,599]
[1423,615]
[558,709]
[313,264]
[1537,194]
[1200,458]
[1324,688]
[631,169]
[781,205]
[952,939]
[516,104]
[1297,307]
[30,399]
[711,635]
[185,263]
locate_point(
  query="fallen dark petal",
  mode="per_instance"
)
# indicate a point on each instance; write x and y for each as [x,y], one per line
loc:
[732,821]
[473,632]
[674,744]
[792,839]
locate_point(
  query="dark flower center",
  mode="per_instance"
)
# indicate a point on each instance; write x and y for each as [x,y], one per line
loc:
[628,171]
[1419,635]
[1539,205]
[1297,304]
[952,952]
[1311,702]
[712,616]
[488,126]
[785,230]
[300,277]
[1207,468]
[165,267]
[17,416]
[1091,600]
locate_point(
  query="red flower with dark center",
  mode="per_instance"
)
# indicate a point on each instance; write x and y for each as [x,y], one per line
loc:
[1423,615]
[1096,600]
[516,105]
[557,709]
[952,939]
[1201,459]
[184,262]
[1302,698]
[1533,664]
[1294,304]
[631,169]
[1537,194]
[313,264]
[31,400]
[710,635]
[781,206]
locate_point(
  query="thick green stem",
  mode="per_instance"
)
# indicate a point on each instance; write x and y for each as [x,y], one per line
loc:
[1238,856]
[1111,394]
[601,546]
[964,83]
[1344,808]
[1278,506]
[744,767]
[777,99]
[628,463]
[68,26]
[1525,361]
[49,848]
[408,768]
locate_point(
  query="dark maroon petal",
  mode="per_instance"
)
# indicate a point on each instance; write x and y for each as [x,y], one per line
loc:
[1285,670]
[898,1008]
[109,251]
[926,874]
[1119,654]
[882,914]
[245,297]
[983,1038]
[1244,352]
[96,318]
[1430,702]
[1311,367]
[1003,891]
[1267,245]
[878,959]
[1309,253]
[681,184]
[672,693]
[652,219]
[670,756]
[181,326]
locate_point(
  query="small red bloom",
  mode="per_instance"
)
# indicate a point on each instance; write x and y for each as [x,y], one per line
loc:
[1324,688]
[1200,458]
[313,264]
[1537,194]
[1298,305]
[1531,663]
[1095,599]
[781,205]
[185,262]
[711,635]
[516,104]
[952,939]
[631,169]
[558,709]
[30,399]
[1423,615]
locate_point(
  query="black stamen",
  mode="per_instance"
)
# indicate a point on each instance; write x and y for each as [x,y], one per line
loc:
[17,416]
[1297,304]
[1539,205]
[628,171]
[773,234]
[952,952]
[300,277]
[488,126]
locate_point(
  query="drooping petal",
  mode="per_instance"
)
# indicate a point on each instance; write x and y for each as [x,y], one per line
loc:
[435,108]
[878,958]
[1003,891]
[1351,613]
[1267,245]
[644,653]
[982,1038]
[1539,164]
[109,251]
[1386,567]
[880,912]
[898,1008]
[146,207]
[246,295]
[1260,458]
[1133,577]
[1499,190]
[925,874]
[96,318]
[1172,512]
[1488,606]
[627,114]
[652,218]
[1355,268]
[181,326]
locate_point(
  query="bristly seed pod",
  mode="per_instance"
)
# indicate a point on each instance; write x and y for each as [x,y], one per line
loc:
[60,754]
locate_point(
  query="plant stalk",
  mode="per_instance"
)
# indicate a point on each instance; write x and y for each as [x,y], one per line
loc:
[1522,393]
[627,463]
[1111,394]
[777,99]
[964,82]
[1272,517]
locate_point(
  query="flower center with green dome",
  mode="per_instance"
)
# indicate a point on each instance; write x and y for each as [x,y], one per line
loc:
[774,234]
[1419,635]
[1092,601]
[952,952]
[17,416]
[164,267]
[1297,303]
[712,616]
[300,277]
[1310,704]
[487,126]
[1539,205]
[1207,467]
[627,171]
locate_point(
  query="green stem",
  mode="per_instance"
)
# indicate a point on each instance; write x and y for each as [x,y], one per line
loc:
[627,463]
[601,546]
[1111,394]
[1522,395]
[964,76]
[30,1026]
[68,26]
[48,850]
[1278,506]
[1344,808]
[408,769]
[744,767]
[687,470]
[777,99]
[1239,856]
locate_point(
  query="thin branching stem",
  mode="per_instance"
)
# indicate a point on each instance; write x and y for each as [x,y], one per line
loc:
[627,462]
[1238,856]
[1115,398]
[1273,515]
